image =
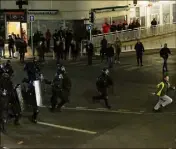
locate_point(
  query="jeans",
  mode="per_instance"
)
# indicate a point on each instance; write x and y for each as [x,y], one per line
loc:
[110,62]
[165,65]
[163,101]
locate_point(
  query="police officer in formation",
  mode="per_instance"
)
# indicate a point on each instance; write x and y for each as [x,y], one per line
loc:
[61,86]
[8,68]
[34,74]
[103,83]
[32,69]
[9,101]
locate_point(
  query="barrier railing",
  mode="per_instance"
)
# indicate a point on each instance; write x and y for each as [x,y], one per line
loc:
[130,35]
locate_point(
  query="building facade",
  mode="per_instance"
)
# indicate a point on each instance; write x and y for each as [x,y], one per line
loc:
[163,11]
[53,14]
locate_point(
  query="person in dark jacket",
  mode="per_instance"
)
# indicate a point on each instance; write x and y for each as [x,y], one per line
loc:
[22,49]
[110,55]
[41,50]
[61,87]
[2,47]
[139,51]
[164,53]
[32,69]
[90,51]
[113,27]
[74,50]
[11,44]
[104,44]
[162,90]
[8,68]
[117,46]
[103,82]
[55,38]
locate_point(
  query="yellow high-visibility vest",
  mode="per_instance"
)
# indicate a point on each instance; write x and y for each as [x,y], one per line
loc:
[159,92]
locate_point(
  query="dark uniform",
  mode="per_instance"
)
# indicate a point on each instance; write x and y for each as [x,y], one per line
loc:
[9,105]
[61,87]
[102,84]
[33,70]
[8,68]
[30,98]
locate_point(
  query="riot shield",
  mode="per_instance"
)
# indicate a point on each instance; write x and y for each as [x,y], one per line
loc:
[38,94]
[20,97]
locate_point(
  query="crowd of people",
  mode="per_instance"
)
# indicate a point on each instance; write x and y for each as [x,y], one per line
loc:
[122,25]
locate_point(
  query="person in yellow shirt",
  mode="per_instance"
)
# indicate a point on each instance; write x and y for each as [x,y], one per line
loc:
[162,89]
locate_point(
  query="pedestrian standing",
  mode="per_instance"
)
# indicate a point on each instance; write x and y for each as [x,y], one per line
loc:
[48,39]
[73,50]
[164,53]
[11,44]
[139,52]
[22,49]
[110,55]
[2,47]
[90,51]
[117,46]
[104,44]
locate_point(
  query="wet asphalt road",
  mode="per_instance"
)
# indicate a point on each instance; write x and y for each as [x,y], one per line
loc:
[131,122]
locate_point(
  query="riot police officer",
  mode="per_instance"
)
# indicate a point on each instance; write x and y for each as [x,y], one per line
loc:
[8,68]
[2,70]
[32,69]
[9,103]
[103,83]
[29,96]
[61,87]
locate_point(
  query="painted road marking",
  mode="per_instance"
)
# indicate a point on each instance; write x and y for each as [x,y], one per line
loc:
[67,128]
[81,107]
[120,111]
[105,110]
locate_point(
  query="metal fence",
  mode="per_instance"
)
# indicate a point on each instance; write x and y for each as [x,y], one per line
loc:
[138,33]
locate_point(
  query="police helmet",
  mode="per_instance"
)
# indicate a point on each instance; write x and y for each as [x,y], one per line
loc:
[60,68]
[105,71]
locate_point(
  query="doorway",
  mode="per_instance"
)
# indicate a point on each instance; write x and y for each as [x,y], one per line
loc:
[13,27]
[17,29]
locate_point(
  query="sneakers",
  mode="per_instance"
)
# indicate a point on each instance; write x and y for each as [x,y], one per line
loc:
[157,111]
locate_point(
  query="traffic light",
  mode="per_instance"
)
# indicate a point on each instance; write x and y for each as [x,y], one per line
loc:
[20,3]
[92,17]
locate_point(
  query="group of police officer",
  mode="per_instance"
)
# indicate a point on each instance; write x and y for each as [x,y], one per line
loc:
[15,98]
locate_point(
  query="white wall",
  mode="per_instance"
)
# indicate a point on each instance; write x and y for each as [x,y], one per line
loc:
[69,10]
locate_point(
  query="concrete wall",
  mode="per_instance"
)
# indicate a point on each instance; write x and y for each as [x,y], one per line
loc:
[69,10]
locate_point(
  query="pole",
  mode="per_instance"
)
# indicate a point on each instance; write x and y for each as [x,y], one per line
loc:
[90,31]
[32,46]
